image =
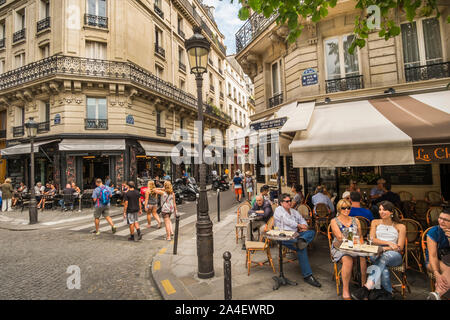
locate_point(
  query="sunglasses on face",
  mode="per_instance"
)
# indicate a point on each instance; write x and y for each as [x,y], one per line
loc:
[286,200]
[346,208]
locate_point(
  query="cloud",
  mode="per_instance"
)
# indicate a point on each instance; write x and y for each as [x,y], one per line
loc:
[226,16]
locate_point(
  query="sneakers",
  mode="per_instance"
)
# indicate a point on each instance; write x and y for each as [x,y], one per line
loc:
[131,238]
[433,296]
[96,233]
[312,281]
[361,294]
[113,229]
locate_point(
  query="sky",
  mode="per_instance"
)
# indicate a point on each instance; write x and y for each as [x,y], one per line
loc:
[226,15]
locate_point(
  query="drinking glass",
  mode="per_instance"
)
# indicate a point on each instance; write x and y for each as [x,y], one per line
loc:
[370,240]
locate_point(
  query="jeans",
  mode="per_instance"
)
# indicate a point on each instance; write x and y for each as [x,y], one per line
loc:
[387,259]
[61,203]
[6,204]
[302,255]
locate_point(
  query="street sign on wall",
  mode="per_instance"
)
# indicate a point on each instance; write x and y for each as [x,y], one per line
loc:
[309,77]
[269,124]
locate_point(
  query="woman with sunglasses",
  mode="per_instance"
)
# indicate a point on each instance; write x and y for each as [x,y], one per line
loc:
[340,227]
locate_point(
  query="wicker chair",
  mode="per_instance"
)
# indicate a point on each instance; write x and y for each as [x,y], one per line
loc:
[433,198]
[322,217]
[399,273]
[405,196]
[421,208]
[433,215]
[306,213]
[242,213]
[413,235]
[399,213]
[337,271]
[261,245]
[424,249]
[365,226]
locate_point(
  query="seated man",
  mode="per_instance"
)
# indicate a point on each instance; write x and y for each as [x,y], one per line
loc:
[67,192]
[320,197]
[263,210]
[289,219]
[390,196]
[437,255]
[264,192]
[356,210]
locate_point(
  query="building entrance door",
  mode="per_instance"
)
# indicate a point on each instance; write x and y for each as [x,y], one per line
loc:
[95,167]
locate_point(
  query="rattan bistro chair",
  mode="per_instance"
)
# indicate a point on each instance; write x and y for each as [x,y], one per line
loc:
[430,275]
[412,248]
[399,213]
[433,215]
[242,213]
[405,196]
[399,273]
[306,213]
[421,208]
[262,245]
[434,198]
[322,217]
[365,226]
[337,270]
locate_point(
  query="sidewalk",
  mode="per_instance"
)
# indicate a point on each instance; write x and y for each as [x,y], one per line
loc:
[176,275]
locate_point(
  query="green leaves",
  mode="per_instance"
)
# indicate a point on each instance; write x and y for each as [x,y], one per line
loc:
[244,13]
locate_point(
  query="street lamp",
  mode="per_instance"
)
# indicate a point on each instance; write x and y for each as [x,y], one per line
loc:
[197,48]
[32,127]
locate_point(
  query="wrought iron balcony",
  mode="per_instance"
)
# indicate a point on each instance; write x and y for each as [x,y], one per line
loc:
[158,11]
[2,43]
[211,87]
[96,21]
[276,100]
[18,131]
[181,33]
[430,71]
[160,131]
[256,24]
[43,127]
[43,24]
[2,134]
[344,84]
[182,66]
[221,95]
[160,50]
[96,124]
[19,35]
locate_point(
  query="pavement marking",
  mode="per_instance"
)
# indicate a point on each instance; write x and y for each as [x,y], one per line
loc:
[157,265]
[102,222]
[162,251]
[168,287]
[160,232]
[52,223]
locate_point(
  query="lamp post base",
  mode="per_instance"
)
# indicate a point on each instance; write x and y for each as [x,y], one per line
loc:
[33,213]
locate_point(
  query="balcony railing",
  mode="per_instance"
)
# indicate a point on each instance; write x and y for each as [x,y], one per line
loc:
[18,131]
[211,87]
[221,95]
[344,84]
[158,11]
[2,43]
[43,24]
[2,134]
[276,100]
[160,50]
[256,24]
[2,2]
[181,33]
[59,65]
[43,127]
[160,131]
[96,21]
[96,124]
[430,71]
[19,35]
[182,66]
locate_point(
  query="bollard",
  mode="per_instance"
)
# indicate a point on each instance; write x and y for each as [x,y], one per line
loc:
[177,223]
[218,205]
[227,274]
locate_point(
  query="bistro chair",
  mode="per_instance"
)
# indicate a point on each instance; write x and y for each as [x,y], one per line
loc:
[69,200]
[433,215]
[421,208]
[48,202]
[405,196]
[412,248]
[434,198]
[399,213]
[24,199]
[399,273]
[337,270]
[322,216]
[430,274]
[306,213]
[242,213]
[365,226]
[262,245]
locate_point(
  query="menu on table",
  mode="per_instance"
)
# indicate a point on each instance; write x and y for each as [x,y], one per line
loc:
[360,247]
[278,232]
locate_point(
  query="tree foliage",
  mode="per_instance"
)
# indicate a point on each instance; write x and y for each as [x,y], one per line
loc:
[290,10]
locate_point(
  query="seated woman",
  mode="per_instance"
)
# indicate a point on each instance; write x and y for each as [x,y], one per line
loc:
[389,233]
[437,255]
[20,190]
[340,227]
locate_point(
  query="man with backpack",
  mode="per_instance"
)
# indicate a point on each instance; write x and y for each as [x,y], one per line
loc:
[102,199]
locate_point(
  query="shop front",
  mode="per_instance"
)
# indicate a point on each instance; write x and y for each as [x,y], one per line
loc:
[154,159]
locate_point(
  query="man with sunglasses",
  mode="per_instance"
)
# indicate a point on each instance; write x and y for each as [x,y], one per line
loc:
[290,219]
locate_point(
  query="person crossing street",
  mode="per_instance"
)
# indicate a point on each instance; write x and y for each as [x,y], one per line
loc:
[102,199]
[131,209]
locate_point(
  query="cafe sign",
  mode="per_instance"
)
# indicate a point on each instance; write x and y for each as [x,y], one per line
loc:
[432,154]
[269,124]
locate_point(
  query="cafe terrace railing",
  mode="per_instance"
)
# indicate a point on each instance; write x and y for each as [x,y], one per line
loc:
[256,24]
[59,65]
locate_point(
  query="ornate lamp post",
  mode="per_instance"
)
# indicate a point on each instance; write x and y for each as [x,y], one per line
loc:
[197,48]
[32,127]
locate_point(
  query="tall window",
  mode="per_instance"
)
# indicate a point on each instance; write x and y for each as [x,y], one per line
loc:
[44,9]
[182,85]
[158,37]
[19,60]
[336,52]
[421,42]
[158,3]
[20,20]
[19,118]
[276,78]
[2,29]
[2,66]
[159,71]
[97,109]
[95,50]
[181,55]
[97,7]
[181,123]
[44,113]
[180,24]
[45,51]
[158,119]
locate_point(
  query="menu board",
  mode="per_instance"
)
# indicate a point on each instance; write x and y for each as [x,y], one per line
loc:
[419,174]
[293,174]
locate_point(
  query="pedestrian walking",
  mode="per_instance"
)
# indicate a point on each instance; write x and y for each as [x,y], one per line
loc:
[7,194]
[237,184]
[168,206]
[132,209]
[249,183]
[102,199]
[151,204]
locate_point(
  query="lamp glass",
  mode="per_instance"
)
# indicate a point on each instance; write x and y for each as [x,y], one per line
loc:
[198,59]
[31,127]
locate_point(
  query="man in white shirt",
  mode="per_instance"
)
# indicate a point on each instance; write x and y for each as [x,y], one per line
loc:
[289,219]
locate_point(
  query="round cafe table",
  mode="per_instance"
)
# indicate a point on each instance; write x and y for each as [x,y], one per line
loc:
[281,280]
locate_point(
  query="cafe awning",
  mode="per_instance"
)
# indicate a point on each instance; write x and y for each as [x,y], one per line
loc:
[397,130]
[155,149]
[24,148]
[298,116]
[92,145]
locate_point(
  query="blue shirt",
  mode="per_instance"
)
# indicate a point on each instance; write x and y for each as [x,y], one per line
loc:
[237,182]
[290,221]
[361,212]
[321,198]
[437,235]
[97,194]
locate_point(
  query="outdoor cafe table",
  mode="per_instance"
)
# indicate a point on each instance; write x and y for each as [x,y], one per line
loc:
[281,280]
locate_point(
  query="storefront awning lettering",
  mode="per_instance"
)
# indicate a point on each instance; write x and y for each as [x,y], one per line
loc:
[24,148]
[92,145]
[379,132]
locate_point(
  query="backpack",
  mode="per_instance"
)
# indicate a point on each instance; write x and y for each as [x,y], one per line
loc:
[104,196]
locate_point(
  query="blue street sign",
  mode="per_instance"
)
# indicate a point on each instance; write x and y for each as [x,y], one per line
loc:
[309,77]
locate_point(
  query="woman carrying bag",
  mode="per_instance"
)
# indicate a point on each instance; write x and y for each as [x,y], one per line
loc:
[151,203]
[168,206]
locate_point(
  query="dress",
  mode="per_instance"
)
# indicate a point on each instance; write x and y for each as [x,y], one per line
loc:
[336,253]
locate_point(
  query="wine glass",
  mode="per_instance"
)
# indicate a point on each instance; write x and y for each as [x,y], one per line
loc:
[370,240]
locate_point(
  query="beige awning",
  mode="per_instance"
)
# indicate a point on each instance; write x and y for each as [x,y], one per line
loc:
[158,149]
[298,114]
[92,145]
[24,148]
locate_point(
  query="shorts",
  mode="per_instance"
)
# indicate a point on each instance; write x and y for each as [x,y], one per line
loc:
[238,191]
[101,211]
[250,189]
[150,207]
[132,217]
[166,214]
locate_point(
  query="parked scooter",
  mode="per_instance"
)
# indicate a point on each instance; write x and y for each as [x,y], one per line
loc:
[220,183]
[187,188]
